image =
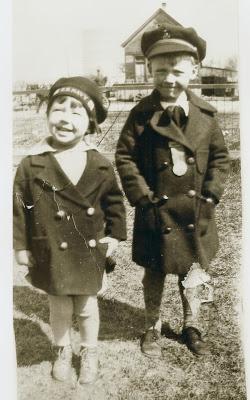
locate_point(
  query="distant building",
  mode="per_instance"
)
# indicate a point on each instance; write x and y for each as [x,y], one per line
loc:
[136,71]
[135,62]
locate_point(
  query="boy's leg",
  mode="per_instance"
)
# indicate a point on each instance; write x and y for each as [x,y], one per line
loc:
[153,285]
[87,312]
[191,325]
[61,311]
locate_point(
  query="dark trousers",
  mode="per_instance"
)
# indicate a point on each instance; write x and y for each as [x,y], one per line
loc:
[153,286]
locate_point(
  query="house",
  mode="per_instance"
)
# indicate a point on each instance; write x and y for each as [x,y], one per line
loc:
[135,62]
[137,74]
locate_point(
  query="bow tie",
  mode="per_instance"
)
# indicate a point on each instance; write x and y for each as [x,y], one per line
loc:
[174,113]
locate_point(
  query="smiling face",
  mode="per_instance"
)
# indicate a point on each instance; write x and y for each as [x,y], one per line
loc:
[172,75]
[68,121]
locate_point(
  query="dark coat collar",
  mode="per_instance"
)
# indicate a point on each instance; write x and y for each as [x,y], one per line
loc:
[149,109]
[49,173]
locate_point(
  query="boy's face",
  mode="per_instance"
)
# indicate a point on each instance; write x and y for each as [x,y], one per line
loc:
[68,120]
[172,75]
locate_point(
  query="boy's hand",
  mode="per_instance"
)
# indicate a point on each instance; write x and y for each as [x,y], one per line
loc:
[24,257]
[112,244]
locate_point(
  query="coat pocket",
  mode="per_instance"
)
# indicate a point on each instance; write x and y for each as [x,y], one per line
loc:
[206,214]
[202,160]
[149,218]
[41,250]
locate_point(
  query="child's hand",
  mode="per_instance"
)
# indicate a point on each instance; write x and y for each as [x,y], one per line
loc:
[24,257]
[112,244]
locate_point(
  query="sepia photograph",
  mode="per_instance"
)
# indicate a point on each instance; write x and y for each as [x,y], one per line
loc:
[126,176]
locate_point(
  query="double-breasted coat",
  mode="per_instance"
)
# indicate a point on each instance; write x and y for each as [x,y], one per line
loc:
[181,229]
[61,223]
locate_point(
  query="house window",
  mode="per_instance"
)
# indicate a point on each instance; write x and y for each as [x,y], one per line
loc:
[129,58]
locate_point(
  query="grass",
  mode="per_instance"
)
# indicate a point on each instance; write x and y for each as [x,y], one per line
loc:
[125,373]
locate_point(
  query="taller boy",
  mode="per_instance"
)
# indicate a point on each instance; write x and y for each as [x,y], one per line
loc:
[173,162]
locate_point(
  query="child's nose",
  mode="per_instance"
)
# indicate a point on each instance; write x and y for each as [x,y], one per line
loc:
[169,78]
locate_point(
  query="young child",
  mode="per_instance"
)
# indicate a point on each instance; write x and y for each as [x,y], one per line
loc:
[173,163]
[68,218]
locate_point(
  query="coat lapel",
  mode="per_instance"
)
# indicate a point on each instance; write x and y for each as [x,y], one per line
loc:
[196,127]
[195,123]
[52,177]
[172,131]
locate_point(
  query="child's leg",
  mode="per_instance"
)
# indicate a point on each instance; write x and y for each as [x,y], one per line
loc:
[61,311]
[191,328]
[153,285]
[87,312]
[190,319]
[86,309]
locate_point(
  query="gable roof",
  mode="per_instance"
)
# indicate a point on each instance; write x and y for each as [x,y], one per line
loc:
[160,11]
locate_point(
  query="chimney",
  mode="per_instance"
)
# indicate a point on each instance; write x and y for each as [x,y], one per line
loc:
[163,5]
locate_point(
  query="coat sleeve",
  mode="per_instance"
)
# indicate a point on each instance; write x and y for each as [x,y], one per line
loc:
[127,156]
[20,220]
[218,165]
[114,209]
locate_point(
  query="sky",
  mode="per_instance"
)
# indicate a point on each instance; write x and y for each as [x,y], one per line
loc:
[54,38]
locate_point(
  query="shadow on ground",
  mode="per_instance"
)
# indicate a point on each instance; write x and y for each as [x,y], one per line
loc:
[118,321]
[32,345]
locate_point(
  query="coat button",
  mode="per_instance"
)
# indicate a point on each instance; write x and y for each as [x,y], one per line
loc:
[167,230]
[191,193]
[90,211]
[190,227]
[209,200]
[60,214]
[63,245]
[92,243]
[190,160]
[165,164]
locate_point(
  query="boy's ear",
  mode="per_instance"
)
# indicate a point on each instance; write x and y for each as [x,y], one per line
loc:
[195,71]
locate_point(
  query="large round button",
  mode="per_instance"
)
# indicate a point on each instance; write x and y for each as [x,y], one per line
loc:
[167,230]
[90,211]
[190,160]
[190,227]
[63,246]
[191,193]
[209,200]
[92,243]
[60,214]
[165,164]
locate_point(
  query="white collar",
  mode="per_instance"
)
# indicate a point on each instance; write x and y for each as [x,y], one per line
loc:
[181,101]
[44,146]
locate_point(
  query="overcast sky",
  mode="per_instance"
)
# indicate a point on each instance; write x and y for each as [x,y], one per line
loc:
[52,38]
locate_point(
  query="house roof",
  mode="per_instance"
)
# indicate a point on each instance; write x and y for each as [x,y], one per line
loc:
[160,11]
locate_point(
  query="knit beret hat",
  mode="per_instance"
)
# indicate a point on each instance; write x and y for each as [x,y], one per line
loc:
[172,39]
[84,90]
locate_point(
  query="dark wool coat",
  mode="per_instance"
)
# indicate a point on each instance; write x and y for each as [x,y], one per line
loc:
[68,257]
[182,230]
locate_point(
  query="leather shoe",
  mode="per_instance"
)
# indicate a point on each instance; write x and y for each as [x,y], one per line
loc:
[149,345]
[192,338]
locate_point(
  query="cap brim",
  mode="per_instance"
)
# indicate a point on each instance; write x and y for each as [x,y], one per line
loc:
[165,48]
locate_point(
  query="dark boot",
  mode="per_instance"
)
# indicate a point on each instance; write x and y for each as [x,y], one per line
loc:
[192,338]
[149,345]
[62,367]
[89,365]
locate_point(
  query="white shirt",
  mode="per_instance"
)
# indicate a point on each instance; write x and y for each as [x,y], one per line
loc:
[181,101]
[72,161]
